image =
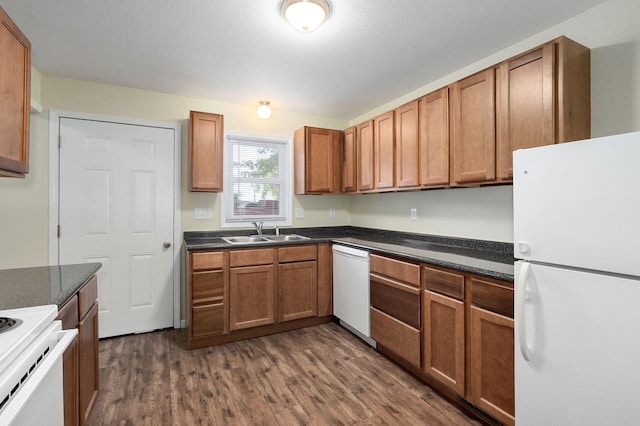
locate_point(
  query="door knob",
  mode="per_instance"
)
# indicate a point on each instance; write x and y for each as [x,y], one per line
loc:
[166,245]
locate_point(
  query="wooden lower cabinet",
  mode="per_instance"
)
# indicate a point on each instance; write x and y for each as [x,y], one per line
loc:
[443,342]
[252,296]
[297,290]
[492,364]
[491,348]
[80,367]
[88,353]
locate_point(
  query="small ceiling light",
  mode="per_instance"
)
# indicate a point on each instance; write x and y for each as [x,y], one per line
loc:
[305,15]
[264,110]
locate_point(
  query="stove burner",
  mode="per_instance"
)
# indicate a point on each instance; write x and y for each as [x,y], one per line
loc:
[7,323]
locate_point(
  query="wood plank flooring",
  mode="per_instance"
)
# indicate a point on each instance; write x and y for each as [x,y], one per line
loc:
[320,375]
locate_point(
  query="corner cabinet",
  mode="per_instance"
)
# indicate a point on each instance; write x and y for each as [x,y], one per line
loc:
[206,142]
[15,87]
[317,160]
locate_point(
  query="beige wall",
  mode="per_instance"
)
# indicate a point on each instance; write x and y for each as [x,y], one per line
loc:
[610,30]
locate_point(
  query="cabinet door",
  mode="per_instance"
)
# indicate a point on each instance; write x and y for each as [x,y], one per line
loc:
[473,128]
[349,168]
[317,161]
[88,353]
[434,138]
[364,142]
[252,296]
[492,364]
[384,151]
[443,341]
[205,151]
[525,105]
[297,290]
[407,145]
[15,98]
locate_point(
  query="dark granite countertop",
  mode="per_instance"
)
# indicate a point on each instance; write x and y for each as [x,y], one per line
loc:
[43,285]
[487,258]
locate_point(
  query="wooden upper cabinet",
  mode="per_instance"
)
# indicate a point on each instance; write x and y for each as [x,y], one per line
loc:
[206,133]
[407,148]
[473,128]
[365,156]
[543,97]
[318,160]
[384,151]
[434,138]
[15,98]
[350,165]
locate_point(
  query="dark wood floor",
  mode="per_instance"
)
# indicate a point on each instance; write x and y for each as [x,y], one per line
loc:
[319,375]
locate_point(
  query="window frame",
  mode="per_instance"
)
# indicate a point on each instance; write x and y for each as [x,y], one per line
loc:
[287,186]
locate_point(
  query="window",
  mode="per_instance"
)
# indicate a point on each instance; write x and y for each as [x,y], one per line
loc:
[257,181]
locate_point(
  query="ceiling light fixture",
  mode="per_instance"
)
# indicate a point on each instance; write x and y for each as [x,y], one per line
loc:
[264,110]
[305,15]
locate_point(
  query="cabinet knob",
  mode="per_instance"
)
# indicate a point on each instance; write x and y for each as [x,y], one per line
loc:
[166,245]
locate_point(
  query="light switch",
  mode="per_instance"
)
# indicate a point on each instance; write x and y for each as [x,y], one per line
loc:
[299,213]
[202,213]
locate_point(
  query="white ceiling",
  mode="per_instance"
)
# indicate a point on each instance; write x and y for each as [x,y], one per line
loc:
[241,51]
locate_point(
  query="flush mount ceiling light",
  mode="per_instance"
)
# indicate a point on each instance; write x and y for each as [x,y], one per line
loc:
[264,110]
[305,15]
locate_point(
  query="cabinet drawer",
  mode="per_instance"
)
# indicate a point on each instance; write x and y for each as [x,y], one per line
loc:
[297,253]
[443,282]
[251,257]
[207,260]
[207,320]
[68,314]
[399,270]
[492,296]
[207,286]
[396,336]
[87,296]
[396,299]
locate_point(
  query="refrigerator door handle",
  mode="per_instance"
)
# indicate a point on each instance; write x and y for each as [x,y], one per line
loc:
[521,293]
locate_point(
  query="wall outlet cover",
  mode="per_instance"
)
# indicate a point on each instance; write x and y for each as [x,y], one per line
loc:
[414,214]
[299,213]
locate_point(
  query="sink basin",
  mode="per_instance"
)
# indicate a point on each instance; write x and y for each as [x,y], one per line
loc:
[245,239]
[250,239]
[290,237]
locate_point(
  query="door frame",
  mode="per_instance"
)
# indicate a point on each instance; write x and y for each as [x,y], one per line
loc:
[54,182]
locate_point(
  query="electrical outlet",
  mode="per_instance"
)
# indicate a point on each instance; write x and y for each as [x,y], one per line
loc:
[332,212]
[414,214]
[202,213]
[299,213]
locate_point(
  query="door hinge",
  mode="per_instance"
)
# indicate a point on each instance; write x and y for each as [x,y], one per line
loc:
[58,231]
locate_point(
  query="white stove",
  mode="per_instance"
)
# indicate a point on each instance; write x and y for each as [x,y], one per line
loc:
[31,347]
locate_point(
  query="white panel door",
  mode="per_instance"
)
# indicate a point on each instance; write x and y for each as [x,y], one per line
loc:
[116,208]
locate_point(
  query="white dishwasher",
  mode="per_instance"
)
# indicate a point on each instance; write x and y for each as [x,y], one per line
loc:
[351,290]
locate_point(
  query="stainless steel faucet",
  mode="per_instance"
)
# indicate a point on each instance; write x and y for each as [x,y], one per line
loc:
[258,226]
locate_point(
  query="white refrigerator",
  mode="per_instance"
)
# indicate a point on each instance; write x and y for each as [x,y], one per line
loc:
[577,314]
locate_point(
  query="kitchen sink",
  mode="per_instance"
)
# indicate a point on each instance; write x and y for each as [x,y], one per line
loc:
[250,239]
[245,239]
[290,237]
